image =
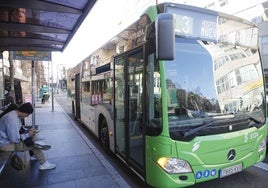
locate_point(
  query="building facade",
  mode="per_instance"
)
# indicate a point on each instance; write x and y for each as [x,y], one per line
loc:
[22,78]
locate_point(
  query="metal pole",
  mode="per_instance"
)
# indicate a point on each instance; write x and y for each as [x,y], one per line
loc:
[2,81]
[52,86]
[33,95]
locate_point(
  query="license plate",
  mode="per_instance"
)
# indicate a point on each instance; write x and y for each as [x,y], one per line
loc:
[230,170]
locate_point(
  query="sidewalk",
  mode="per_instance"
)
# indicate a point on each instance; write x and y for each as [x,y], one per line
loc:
[79,163]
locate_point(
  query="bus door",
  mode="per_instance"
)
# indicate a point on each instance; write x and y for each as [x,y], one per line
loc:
[129,108]
[77,114]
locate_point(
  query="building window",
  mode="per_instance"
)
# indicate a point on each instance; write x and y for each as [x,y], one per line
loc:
[264,45]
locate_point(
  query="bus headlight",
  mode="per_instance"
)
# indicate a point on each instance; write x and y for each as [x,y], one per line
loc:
[262,146]
[173,165]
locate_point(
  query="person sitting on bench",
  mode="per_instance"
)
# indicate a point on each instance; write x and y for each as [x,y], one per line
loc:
[10,138]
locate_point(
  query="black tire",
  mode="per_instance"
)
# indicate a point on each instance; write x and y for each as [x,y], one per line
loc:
[104,136]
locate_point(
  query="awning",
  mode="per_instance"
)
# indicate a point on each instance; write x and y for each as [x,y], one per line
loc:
[40,25]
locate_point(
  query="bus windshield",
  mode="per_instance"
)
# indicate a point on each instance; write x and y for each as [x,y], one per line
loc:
[213,88]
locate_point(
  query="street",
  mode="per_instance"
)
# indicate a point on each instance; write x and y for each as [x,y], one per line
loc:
[253,177]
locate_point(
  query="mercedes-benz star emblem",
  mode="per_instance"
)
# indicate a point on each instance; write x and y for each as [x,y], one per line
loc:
[231,155]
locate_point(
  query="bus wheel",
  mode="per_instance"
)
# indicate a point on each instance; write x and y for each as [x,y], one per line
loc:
[104,136]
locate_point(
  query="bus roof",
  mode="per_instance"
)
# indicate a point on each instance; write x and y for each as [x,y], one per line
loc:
[162,7]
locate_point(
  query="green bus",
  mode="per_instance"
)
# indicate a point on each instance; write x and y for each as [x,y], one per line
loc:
[178,95]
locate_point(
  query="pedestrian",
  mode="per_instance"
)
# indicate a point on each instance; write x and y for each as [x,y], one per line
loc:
[10,139]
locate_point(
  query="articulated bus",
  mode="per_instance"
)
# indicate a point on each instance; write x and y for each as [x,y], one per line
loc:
[178,95]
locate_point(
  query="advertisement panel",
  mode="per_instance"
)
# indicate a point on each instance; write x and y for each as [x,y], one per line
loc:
[32,55]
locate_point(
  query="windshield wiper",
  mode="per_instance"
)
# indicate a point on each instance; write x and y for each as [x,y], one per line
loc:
[250,121]
[195,130]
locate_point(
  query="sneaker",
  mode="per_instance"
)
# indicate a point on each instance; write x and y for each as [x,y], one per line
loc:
[41,145]
[38,137]
[47,166]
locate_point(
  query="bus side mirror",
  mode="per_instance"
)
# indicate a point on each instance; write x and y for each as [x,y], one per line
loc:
[165,36]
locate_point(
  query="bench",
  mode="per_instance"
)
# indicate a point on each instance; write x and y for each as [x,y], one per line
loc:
[4,158]
[4,155]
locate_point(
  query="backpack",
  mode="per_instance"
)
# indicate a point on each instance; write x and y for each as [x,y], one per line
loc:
[16,161]
[10,107]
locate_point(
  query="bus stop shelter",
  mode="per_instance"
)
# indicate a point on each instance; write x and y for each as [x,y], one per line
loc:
[40,25]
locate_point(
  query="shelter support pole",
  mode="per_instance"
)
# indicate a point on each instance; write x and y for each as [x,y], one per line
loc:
[33,94]
[52,88]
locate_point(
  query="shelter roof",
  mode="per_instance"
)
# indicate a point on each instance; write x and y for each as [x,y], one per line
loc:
[40,25]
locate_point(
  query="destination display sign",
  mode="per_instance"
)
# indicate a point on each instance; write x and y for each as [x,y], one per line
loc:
[212,26]
[194,24]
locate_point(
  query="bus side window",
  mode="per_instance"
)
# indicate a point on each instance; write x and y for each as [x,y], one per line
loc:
[107,91]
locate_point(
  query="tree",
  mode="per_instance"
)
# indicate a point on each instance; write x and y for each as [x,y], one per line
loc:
[11,76]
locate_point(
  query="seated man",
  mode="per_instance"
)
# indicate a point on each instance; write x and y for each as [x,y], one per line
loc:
[28,141]
[10,125]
